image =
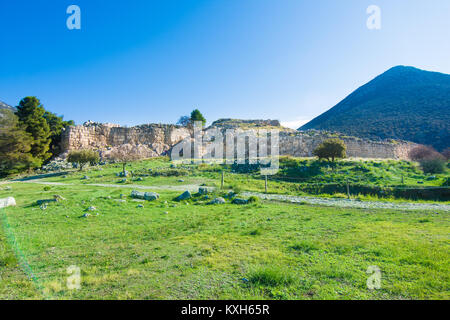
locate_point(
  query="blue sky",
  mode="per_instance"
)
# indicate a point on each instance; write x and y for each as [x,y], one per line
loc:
[145,61]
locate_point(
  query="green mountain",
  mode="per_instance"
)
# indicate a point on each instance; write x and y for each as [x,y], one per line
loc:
[402,103]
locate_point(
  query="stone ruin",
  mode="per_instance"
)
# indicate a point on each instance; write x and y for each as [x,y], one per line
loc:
[152,140]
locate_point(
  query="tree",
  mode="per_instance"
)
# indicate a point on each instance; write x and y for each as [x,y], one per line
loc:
[15,145]
[331,148]
[196,115]
[56,124]
[422,153]
[184,121]
[436,165]
[125,155]
[31,117]
[82,157]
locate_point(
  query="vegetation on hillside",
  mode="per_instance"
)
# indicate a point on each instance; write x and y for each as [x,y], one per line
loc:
[402,103]
[29,137]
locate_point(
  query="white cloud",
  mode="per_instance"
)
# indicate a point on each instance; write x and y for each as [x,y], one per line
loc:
[295,124]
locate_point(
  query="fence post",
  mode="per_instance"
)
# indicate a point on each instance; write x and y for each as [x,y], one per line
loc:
[266,184]
[223,179]
[348,190]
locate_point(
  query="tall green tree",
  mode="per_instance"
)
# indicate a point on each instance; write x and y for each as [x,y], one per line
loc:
[196,115]
[56,124]
[15,145]
[31,118]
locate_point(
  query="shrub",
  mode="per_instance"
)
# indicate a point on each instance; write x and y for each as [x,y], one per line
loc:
[253,199]
[82,157]
[421,153]
[331,149]
[436,165]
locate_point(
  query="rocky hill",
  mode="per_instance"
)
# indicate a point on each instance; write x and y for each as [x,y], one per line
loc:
[5,106]
[403,103]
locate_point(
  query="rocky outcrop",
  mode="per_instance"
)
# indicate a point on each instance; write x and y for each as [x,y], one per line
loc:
[148,140]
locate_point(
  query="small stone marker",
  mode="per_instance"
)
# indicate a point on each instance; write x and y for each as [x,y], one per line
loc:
[8,202]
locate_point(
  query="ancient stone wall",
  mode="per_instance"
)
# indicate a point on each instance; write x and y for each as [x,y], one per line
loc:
[157,139]
[151,140]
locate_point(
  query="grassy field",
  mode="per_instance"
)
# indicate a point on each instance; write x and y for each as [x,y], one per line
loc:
[191,250]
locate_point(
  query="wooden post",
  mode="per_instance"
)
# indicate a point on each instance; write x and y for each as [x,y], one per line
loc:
[223,179]
[266,184]
[348,190]
[403,180]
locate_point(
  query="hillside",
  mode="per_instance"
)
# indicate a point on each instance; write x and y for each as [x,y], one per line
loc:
[402,103]
[5,106]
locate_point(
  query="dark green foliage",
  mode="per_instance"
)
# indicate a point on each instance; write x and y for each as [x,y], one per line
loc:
[15,145]
[56,124]
[402,103]
[31,117]
[83,157]
[196,115]
[331,149]
[436,165]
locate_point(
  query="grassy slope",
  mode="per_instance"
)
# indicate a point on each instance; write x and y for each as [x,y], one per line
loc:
[301,171]
[197,251]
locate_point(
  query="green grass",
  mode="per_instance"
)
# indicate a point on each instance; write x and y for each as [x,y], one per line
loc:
[297,176]
[264,250]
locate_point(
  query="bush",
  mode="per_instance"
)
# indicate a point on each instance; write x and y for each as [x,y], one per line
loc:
[433,165]
[331,149]
[82,157]
[422,153]
[253,199]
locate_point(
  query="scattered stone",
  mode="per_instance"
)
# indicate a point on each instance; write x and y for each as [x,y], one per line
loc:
[86,215]
[85,178]
[58,198]
[91,208]
[231,195]
[218,201]
[123,181]
[431,178]
[139,179]
[7,202]
[43,207]
[123,174]
[149,196]
[239,201]
[45,201]
[186,195]
[419,182]
[202,190]
[8,188]
[173,165]
[165,212]
[140,206]
[181,180]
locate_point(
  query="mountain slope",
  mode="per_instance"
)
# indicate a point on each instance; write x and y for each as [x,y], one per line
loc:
[5,106]
[402,103]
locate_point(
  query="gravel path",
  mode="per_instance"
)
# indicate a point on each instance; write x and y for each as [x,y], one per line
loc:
[345,203]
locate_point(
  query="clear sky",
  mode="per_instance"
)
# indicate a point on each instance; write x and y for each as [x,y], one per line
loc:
[145,61]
